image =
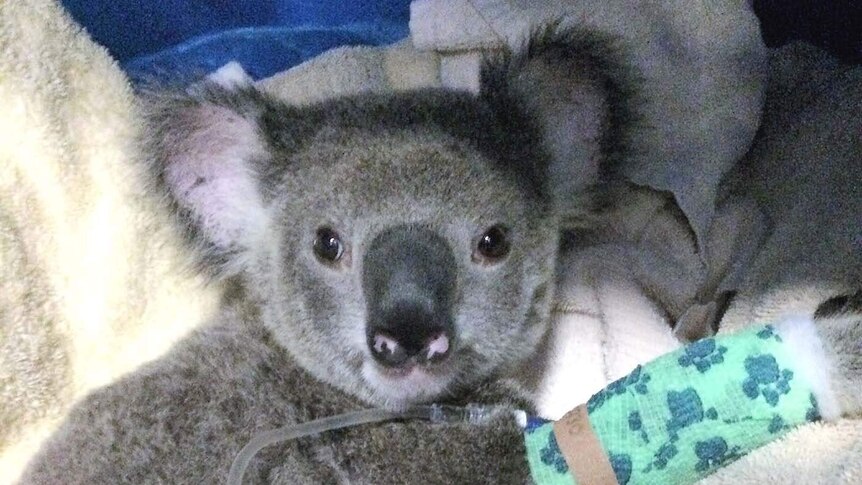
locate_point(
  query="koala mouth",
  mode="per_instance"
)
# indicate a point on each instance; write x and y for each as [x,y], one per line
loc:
[411,382]
[430,362]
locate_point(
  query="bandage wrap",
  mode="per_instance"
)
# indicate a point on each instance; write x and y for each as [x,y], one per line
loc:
[678,418]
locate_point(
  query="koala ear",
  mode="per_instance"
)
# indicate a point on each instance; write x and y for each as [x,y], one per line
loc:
[574,93]
[209,153]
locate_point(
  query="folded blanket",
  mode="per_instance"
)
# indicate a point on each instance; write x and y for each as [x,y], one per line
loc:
[634,286]
[804,171]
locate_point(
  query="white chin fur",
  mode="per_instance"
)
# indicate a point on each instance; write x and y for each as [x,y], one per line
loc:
[414,387]
[800,334]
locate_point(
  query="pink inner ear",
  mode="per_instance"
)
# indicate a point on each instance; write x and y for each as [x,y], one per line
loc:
[210,173]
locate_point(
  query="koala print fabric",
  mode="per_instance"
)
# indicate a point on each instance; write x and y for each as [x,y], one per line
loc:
[690,412]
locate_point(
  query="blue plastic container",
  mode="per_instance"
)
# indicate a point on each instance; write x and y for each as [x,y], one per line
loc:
[175,39]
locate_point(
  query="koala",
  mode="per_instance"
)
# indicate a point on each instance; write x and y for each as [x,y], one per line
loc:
[382,250]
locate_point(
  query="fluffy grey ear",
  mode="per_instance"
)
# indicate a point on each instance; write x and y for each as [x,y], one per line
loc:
[574,91]
[208,153]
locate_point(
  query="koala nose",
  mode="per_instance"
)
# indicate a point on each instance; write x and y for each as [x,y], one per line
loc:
[408,277]
[409,333]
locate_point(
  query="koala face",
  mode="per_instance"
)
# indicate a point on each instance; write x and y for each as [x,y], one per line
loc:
[401,246]
[413,267]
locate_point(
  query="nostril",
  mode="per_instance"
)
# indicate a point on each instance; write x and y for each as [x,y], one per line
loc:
[387,350]
[437,347]
[384,344]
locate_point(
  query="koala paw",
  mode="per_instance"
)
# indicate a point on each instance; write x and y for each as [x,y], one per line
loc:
[839,323]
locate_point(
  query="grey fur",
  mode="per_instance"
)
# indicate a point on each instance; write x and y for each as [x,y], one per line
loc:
[290,345]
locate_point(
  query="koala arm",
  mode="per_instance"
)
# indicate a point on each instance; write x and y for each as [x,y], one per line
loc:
[439,453]
[111,438]
[451,453]
[839,325]
[184,418]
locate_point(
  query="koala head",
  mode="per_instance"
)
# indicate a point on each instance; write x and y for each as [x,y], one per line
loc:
[399,246]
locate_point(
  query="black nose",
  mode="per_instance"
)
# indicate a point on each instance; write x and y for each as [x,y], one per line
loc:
[409,333]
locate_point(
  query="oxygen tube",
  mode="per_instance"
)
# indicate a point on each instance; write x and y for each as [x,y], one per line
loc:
[435,413]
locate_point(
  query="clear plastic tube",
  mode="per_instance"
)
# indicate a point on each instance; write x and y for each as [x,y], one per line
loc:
[473,414]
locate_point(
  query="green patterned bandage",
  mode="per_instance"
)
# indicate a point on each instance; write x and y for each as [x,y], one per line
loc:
[682,416]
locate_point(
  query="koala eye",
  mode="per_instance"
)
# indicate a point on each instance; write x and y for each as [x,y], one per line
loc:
[493,245]
[328,246]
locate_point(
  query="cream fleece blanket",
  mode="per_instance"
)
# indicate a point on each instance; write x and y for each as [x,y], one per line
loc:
[91,283]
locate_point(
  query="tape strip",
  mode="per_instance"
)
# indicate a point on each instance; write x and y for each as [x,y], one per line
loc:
[582,449]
